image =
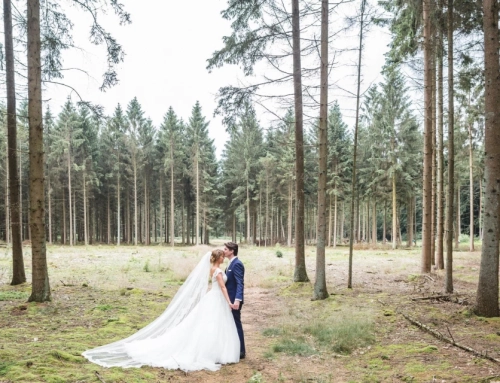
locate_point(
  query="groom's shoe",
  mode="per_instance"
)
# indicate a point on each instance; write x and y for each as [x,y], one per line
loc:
[242,356]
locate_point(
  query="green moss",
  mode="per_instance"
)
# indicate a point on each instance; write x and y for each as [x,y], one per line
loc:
[103,307]
[428,349]
[13,295]
[412,277]
[493,337]
[415,367]
[378,364]
[297,289]
[24,377]
[55,379]
[62,355]
[4,367]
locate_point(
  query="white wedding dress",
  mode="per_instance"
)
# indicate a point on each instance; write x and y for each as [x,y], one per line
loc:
[196,331]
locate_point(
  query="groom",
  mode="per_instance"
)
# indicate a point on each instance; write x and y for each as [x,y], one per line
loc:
[235,273]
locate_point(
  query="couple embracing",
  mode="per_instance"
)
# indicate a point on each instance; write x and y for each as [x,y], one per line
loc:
[199,330]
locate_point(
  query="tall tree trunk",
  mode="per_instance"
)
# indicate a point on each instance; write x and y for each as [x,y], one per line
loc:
[300,273]
[290,207]
[335,220]
[197,198]
[64,216]
[487,291]
[109,217]
[188,223]
[374,223]
[440,156]
[434,149]
[249,238]
[427,179]
[183,219]
[366,234]
[384,226]
[118,209]
[172,201]
[85,233]
[342,221]
[266,235]
[18,274]
[21,191]
[40,291]
[254,225]
[146,217]
[480,208]
[355,147]
[320,291]
[394,212]
[70,196]
[74,217]
[330,223]
[233,236]
[7,202]
[409,223]
[161,207]
[471,193]
[458,222]
[136,222]
[451,156]
[49,204]
[167,226]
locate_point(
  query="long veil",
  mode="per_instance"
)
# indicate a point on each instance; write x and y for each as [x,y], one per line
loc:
[186,298]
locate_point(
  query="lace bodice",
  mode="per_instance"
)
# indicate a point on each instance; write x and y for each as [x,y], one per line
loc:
[217,272]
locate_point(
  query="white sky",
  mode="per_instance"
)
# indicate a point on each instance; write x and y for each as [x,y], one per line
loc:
[166,47]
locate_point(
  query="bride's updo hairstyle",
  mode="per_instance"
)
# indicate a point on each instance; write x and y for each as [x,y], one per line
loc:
[216,254]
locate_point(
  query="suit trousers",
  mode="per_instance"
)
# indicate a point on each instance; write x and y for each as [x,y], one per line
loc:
[239,327]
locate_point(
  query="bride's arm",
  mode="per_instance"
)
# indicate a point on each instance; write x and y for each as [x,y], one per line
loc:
[222,286]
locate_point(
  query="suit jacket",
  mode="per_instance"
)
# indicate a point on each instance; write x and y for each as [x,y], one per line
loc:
[235,280]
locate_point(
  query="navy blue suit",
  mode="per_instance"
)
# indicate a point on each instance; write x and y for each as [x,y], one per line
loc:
[235,283]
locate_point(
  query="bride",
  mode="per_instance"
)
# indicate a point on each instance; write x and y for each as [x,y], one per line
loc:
[195,332]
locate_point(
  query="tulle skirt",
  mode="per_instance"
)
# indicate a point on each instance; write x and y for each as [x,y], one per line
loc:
[204,340]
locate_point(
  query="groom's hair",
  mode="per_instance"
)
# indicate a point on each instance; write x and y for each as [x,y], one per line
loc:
[232,246]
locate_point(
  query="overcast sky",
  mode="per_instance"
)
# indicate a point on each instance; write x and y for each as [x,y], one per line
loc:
[166,47]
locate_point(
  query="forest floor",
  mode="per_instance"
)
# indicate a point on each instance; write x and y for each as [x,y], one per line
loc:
[104,293]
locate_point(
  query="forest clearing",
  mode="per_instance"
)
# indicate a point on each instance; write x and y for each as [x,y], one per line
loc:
[105,293]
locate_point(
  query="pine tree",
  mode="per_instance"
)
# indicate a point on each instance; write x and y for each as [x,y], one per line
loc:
[197,143]
[170,140]
[135,122]
[241,165]
[339,164]
[87,154]
[67,139]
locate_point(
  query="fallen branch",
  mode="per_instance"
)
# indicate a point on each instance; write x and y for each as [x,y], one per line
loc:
[438,297]
[446,298]
[429,278]
[443,297]
[99,377]
[441,337]
[489,378]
